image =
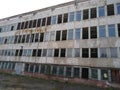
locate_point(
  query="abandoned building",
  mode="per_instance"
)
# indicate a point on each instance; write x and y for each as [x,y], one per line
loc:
[76,41]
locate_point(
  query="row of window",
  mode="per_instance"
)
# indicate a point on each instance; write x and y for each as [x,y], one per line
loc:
[66,71]
[67,17]
[78,33]
[112,52]
[7,65]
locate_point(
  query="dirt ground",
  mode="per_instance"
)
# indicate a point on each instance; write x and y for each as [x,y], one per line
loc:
[14,82]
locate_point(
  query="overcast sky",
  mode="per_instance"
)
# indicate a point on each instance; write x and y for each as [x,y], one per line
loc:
[14,7]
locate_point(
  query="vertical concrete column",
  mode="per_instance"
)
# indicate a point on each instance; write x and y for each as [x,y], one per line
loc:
[80,72]
[64,71]
[72,71]
[99,74]
[109,75]
[89,73]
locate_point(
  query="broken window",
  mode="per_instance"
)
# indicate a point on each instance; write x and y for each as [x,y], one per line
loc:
[94,52]
[23,38]
[85,52]
[12,28]
[58,33]
[50,52]
[103,52]
[77,52]
[94,73]
[20,52]
[24,52]
[63,51]
[102,31]
[61,70]
[31,68]
[54,70]
[43,21]
[110,9]
[44,52]
[71,16]
[18,26]
[29,52]
[16,38]
[111,30]
[42,70]
[68,71]
[118,26]
[85,34]
[93,12]
[54,19]
[113,52]
[34,52]
[78,15]
[85,73]
[64,34]
[38,22]
[19,38]
[77,34]
[65,18]
[0,29]
[101,11]
[34,23]
[76,72]
[36,37]
[39,52]
[70,34]
[52,35]
[46,36]
[41,37]
[85,14]
[59,19]
[93,32]
[56,53]
[104,75]
[26,67]
[36,68]
[118,8]
[30,24]
[26,25]
[16,52]
[32,38]
[22,25]
[27,38]
[49,21]
[69,52]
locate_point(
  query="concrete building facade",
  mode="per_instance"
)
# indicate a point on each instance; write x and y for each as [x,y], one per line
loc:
[77,41]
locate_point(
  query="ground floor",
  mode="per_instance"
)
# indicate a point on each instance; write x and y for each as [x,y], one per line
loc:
[67,73]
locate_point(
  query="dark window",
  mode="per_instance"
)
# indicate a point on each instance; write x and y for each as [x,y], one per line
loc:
[110,9]
[42,69]
[43,21]
[38,22]
[85,34]
[85,52]
[34,23]
[61,70]
[63,51]
[18,26]
[85,14]
[41,37]
[19,38]
[68,71]
[39,52]
[26,25]
[36,37]
[104,75]
[48,69]
[119,30]
[12,28]
[32,38]
[76,72]
[22,25]
[34,52]
[0,29]
[56,53]
[93,12]
[64,34]
[20,52]
[58,35]
[94,73]
[16,38]
[44,53]
[27,38]
[49,21]
[59,19]
[93,32]
[54,70]
[31,68]
[36,68]
[65,19]
[30,23]
[16,52]
[94,53]
[26,67]
[23,38]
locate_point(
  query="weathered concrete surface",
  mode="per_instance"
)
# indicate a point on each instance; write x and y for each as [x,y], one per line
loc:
[10,82]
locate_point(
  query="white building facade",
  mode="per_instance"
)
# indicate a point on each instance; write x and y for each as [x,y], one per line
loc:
[75,40]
